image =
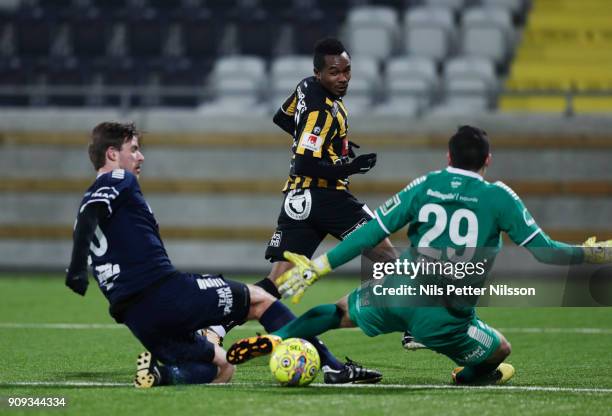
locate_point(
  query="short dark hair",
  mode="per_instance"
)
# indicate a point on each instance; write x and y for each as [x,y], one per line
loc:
[109,134]
[469,148]
[326,46]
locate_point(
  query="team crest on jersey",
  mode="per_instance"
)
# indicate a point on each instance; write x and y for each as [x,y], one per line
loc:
[311,141]
[298,204]
[390,205]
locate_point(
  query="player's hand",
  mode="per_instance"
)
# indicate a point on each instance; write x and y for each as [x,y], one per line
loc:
[351,152]
[597,251]
[293,283]
[363,163]
[78,281]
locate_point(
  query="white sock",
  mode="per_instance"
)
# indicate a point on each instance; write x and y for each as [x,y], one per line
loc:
[219,330]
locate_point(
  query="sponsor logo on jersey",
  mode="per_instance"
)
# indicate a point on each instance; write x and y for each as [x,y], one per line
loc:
[440,195]
[210,282]
[456,184]
[298,203]
[275,241]
[311,142]
[226,299]
[354,228]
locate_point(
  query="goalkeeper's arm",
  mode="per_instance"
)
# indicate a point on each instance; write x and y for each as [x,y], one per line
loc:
[547,250]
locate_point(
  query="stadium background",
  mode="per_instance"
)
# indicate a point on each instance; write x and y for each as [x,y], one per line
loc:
[203,78]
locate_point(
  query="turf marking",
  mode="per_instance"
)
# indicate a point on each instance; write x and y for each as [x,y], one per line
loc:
[550,389]
[255,327]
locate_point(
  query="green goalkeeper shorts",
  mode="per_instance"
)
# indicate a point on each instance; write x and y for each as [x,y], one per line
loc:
[462,337]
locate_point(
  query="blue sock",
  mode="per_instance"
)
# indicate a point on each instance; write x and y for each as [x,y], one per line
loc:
[278,315]
[188,373]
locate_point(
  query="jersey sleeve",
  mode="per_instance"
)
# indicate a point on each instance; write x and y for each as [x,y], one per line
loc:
[514,218]
[399,209]
[111,189]
[285,116]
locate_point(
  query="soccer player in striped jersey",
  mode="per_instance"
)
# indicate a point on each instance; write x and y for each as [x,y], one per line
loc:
[449,211]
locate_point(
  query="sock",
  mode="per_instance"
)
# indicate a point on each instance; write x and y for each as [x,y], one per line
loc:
[219,329]
[269,286]
[278,316]
[188,373]
[471,374]
[316,321]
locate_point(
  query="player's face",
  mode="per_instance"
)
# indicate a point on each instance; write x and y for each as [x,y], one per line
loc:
[336,74]
[130,156]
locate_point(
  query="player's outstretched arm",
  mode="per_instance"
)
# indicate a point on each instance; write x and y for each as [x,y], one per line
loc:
[87,221]
[597,251]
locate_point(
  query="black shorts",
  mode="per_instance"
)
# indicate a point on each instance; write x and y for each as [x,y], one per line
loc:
[308,215]
[165,320]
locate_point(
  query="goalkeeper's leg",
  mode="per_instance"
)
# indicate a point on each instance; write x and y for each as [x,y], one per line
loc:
[273,315]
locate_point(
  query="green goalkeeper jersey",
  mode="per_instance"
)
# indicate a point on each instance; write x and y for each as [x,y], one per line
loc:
[451,210]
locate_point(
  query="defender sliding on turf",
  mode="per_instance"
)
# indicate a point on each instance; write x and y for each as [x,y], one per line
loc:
[474,219]
[161,306]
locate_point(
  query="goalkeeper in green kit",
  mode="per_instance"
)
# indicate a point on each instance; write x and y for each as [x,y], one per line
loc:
[447,210]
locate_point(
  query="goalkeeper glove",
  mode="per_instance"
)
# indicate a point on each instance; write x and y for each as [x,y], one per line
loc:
[597,251]
[293,283]
[77,281]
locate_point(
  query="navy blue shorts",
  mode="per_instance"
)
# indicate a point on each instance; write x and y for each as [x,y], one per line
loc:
[166,319]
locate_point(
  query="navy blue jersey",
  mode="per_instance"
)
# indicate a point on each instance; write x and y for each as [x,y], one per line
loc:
[127,254]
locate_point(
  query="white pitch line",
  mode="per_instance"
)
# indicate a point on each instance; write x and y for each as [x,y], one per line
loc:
[256,327]
[549,389]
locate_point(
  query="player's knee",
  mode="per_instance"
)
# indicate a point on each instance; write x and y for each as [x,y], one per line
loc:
[504,348]
[260,301]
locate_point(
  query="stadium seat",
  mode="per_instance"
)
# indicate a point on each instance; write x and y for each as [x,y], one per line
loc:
[239,66]
[411,67]
[428,31]
[454,5]
[411,82]
[146,33]
[185,75]
[69,73]
[359,97]
[372,31]
[14,74]
[469,84]
[280,89]
[201,32]
[516,7]
[294,67]
[257,31]
[488,33]
[34,32]
[87,43]
[366,69]
[233,96]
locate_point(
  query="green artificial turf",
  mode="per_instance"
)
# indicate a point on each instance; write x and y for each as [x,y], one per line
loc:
[551,353]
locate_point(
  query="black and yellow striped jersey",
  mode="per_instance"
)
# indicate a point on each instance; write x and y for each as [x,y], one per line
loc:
[317,120]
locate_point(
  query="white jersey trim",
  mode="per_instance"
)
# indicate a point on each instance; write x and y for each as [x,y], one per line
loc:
[381,224]
[528,239]
[97,200]
[463,172]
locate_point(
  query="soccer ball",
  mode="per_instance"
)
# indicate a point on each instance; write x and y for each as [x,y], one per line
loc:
[295,362]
